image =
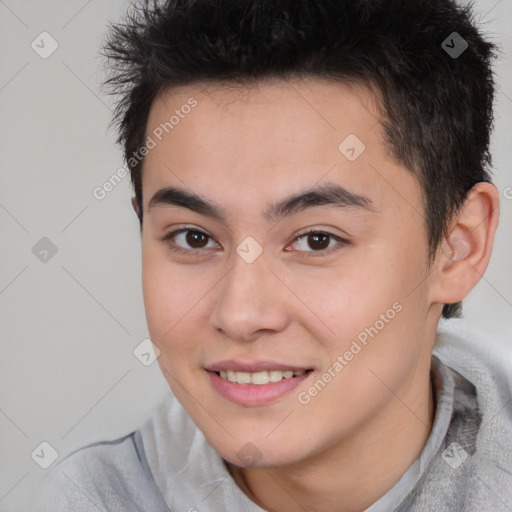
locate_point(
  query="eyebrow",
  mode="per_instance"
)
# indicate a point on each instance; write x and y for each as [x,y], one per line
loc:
[328,194]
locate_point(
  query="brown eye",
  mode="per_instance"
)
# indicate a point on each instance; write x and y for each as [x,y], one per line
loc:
[186,241]
[319,243]
[196,239]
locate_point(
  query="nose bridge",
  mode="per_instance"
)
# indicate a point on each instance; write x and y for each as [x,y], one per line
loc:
[248,297]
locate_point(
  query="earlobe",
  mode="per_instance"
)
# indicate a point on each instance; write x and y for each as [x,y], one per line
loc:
[466,252]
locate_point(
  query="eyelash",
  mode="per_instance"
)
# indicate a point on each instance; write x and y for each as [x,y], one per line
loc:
[198,252]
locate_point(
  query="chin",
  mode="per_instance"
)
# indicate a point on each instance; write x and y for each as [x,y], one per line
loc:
[254,454]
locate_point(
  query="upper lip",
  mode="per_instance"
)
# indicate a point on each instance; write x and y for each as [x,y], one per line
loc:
[253,366]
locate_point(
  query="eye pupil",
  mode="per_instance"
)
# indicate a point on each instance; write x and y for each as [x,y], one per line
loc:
[315,238]
[193,237]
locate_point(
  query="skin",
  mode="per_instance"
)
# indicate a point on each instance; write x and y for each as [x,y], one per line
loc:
[353,441]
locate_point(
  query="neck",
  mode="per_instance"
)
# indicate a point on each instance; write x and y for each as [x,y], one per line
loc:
[358,470]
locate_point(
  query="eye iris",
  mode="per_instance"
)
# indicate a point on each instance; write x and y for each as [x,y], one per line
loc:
[315,238]
[193,237]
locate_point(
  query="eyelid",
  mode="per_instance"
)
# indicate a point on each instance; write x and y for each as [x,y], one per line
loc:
[175,232]
[325,252]
[345,236]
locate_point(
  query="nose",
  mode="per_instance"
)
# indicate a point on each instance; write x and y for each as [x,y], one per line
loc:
[251,300]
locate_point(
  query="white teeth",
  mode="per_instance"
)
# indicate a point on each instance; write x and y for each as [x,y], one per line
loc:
[259,378]
[275,375]
[243,377]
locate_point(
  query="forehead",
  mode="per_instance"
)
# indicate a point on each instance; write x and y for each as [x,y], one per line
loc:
[270,139]
[323,108]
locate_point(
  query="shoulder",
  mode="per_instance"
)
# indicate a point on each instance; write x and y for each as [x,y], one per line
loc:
[483,472]
[106,475]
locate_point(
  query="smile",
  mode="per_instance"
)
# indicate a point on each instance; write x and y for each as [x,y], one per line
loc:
[256,388]
[258,378]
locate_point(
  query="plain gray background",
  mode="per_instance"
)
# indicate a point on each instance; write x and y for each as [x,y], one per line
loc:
[68,375]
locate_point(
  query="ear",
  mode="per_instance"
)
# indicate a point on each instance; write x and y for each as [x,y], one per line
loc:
[465,253]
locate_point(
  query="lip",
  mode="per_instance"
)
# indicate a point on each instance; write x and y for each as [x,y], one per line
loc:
[253,366]
[253,394]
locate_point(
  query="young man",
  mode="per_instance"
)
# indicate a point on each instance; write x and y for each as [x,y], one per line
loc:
[311,180]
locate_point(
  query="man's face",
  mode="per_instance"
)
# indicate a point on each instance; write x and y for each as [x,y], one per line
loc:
[349,303]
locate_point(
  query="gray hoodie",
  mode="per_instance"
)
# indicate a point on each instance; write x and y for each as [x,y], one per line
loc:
[168,465]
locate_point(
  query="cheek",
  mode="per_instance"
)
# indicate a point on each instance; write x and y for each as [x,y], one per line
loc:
[369,300]
[341,301]
[165,295]
[174,301]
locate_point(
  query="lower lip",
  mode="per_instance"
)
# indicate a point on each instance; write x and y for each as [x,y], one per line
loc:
[254,394]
